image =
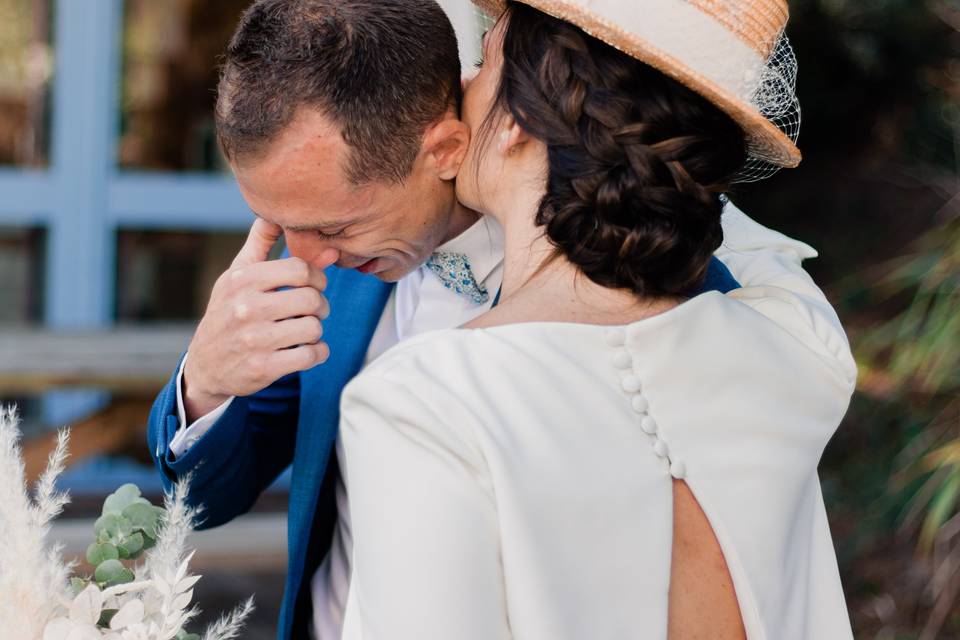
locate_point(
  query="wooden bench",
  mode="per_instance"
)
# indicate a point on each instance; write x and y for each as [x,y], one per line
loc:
[131,363]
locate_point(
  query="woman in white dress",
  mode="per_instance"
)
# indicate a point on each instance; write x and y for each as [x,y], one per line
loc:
[601,457]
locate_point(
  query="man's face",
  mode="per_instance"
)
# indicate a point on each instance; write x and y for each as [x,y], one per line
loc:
[300,184]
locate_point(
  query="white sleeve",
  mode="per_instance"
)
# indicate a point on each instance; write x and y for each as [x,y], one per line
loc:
[426,556]
[769,266]
[758,256]
[186,437]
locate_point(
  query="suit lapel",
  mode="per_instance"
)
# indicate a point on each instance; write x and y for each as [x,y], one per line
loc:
[356,303]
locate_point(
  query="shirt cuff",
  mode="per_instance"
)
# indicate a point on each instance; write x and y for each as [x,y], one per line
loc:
[187,437]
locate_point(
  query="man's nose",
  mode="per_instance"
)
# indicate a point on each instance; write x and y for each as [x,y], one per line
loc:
[309,248]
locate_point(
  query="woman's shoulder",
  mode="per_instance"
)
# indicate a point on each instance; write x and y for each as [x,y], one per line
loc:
[426,356]
[766,322]
[812,323]
[456,369]
[421,363]
[707,341]
[465,376]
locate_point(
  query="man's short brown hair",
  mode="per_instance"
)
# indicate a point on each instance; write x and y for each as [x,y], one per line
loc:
[382,70]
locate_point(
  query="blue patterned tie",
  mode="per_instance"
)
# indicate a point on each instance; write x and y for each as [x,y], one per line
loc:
[455,273]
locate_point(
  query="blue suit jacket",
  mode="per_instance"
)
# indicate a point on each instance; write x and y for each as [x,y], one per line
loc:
[294,420]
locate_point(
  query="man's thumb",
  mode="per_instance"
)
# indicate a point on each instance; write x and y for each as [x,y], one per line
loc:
[263,235]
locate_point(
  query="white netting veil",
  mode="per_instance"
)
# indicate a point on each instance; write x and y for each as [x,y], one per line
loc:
[776,99]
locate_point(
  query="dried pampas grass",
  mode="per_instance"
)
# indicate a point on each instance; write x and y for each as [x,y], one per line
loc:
[37,599]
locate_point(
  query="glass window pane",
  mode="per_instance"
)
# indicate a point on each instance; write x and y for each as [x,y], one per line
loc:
[21,301]
[21,275]
[170,54]
[167,276]
[26,66]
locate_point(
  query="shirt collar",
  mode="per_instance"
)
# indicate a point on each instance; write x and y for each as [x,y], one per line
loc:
[482,243]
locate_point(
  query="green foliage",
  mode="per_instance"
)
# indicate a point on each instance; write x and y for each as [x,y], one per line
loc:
[911,357]
[99,552]
[919,347]
[918,350]
[127,527]
[106,616]
[123,497]
[112,572]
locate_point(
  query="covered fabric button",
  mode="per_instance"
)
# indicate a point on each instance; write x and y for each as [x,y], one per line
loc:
[649,425]
[640,404]
[631,384]
[622,360]
[616,337]
[660,448]
[678,469]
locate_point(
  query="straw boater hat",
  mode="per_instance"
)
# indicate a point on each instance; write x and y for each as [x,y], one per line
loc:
[732,52]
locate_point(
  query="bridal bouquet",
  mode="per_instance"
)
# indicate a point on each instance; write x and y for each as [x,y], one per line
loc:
[141,588]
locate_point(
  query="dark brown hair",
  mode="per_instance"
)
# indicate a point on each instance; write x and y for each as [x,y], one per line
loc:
[637,162]
[382,70]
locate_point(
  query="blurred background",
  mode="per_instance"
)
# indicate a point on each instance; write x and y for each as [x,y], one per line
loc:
[117,213]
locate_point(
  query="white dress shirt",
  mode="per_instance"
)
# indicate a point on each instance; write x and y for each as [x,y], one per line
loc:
[517,481]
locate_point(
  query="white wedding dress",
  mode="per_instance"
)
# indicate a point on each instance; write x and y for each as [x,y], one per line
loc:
[516,482]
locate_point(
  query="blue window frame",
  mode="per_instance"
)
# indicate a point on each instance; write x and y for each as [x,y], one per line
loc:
[81,198]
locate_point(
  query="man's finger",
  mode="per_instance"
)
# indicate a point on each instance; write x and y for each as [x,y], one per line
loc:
[294,332]
[306,356]
[290,303]
[263,235]
[289,272]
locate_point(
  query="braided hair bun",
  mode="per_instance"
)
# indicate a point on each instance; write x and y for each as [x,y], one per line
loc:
[637,162]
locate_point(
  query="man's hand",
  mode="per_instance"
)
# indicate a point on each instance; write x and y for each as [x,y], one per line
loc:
[252,334]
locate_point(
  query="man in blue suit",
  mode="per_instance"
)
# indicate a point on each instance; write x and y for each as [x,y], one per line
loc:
[339,120]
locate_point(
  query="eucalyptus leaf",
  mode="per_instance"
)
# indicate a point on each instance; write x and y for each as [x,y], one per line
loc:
[142,516]
[99,552]
[114,525]
[120,499]
[105,617]
[132,545]
[112,572]
[159,512]
[148,542]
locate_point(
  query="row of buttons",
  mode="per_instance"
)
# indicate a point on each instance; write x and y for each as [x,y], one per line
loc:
[631,384]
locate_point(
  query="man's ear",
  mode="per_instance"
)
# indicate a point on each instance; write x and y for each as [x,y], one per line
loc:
[446,143]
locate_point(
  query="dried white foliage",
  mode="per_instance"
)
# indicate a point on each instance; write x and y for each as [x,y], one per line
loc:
[37,601]
[34,580]
[228,627]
